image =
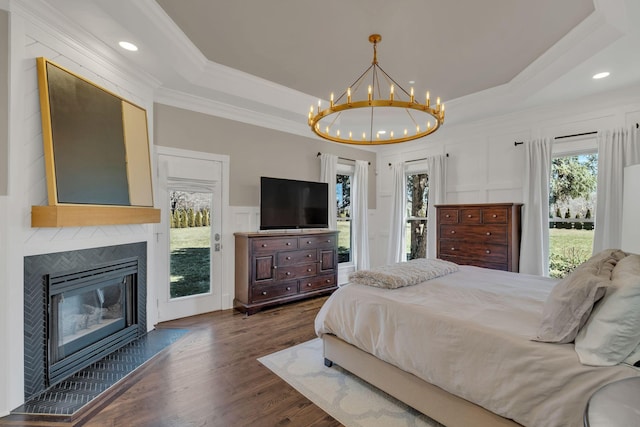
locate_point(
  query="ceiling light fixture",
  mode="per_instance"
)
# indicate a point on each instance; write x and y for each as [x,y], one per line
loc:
[363,118]
[128,46]
[601,75]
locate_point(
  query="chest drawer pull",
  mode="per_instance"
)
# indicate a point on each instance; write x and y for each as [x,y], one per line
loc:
[495,216]
[488,233]
[308,255]
[309,270]
[288,258]
[288,273]
[453,231]
[264,245]
[488,251]
[328,280]
[469,216]
[447,216]
[308,242]
[453,249]
[288,243]
[264,292]
[288,288]
[309,284]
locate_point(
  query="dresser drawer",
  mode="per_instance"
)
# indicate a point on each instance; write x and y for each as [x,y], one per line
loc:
[277,244]
[475,262]
[297,271]
[320,282]
[297,257]
[261,293]
[494,216]
[322,241]
[448,216]
[487,252]
[488,233]
[470,216]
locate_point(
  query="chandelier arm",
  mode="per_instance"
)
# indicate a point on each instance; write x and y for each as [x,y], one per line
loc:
[392,80]
[356,81]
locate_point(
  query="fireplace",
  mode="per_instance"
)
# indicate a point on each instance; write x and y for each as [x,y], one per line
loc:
[92,312]
[80,306]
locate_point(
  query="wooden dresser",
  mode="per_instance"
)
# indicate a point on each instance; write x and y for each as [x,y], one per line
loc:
[274,268]
[484,235]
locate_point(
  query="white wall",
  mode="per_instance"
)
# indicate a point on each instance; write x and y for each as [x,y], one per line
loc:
[30,37]
[484,165]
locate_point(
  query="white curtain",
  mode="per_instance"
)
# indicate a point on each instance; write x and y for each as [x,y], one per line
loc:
[360,205]
[396,248]
[436,168]
[534,248]
[328,172]
[616,149]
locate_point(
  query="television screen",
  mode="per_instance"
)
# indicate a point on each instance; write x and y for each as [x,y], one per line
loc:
[287,203]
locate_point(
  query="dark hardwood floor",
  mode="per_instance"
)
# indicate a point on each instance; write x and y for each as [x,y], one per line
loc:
[211,376]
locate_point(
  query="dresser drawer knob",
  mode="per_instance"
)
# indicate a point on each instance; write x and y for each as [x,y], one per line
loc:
[288,273]
[264,245]
[288,288]
[488,251]
[453,249]
[488,233]
[469,216]
[447,216]
[453,231]
[308,242]
[308,255]
[309,270]
[328,240]
[309,284]
[264,292]
[328,280]
[288,243]
[495,216]
[288,258]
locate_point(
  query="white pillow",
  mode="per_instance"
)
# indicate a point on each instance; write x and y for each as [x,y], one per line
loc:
[612,332]
[571,300]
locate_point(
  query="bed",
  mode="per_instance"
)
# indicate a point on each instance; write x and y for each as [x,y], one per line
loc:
[464,347]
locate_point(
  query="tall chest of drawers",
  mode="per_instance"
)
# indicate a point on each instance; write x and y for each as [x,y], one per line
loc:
[484,235]
[274,268]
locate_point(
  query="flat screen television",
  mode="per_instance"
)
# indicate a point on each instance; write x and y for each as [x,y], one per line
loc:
[291,204]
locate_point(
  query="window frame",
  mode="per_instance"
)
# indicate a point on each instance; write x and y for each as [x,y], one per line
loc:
[349,170]
[416,168]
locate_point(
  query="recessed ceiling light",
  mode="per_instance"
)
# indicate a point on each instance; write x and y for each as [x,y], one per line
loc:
[601,75]
[128,46]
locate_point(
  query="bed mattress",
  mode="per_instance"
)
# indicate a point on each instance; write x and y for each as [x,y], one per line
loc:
[469,333]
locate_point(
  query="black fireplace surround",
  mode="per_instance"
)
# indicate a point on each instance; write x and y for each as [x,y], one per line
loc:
[80,306]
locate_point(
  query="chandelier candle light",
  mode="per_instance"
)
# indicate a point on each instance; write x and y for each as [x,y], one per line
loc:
[374,120]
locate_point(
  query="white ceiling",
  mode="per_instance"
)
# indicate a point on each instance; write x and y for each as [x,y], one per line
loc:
[265,62]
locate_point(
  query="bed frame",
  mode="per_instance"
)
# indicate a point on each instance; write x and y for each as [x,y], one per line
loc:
[442,406]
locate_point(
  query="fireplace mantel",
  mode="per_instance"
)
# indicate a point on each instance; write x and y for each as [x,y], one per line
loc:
[86,215]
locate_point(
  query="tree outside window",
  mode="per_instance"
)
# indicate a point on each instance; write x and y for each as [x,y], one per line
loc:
[417,202]
[343,197]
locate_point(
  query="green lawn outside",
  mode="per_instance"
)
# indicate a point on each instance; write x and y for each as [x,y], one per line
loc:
[568,249]
[190,261]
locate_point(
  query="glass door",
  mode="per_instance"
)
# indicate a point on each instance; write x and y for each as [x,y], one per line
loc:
[190,236]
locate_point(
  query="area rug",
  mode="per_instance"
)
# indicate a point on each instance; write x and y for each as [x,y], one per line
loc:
[345,397]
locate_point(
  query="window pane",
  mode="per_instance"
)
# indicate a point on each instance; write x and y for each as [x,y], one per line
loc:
[417,202]
[416,239]
[343,197]
[344,240]
[572,196]
[190,243]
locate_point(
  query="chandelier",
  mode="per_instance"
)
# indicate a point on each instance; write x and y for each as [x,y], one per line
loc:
[356,118]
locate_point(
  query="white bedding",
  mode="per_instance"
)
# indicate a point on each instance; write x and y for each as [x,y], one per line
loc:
[469,333]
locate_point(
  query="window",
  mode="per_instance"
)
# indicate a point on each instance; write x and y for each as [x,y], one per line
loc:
[417,202]
[343,197]
[572,197]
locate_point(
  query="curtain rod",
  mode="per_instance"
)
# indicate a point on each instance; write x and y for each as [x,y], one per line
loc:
[341,158]
[419,160]
[516,143]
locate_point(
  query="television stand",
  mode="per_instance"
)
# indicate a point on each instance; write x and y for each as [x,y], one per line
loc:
[277,268]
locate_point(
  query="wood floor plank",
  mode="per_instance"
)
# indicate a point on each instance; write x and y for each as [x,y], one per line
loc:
[212,376]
